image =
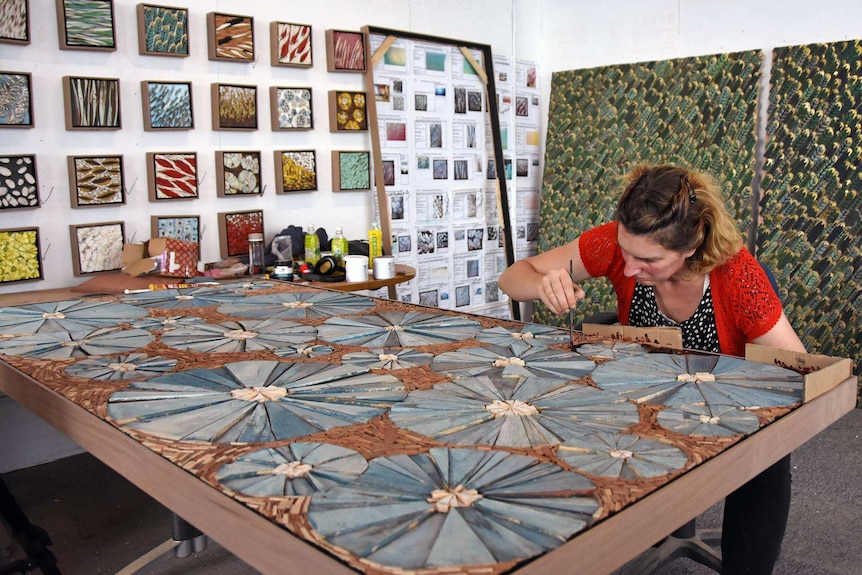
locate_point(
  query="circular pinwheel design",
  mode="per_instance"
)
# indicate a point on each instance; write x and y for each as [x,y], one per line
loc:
[677,380]
[512,361]
[167,323]
[388,358]
[303,350]
[254,401]
[232,336]
[710,420]
[454,506]
[65,316]
[122,367]
[611,350]
[293,470]
[397,329]
[512,411]
[298,305]
[530,335]
[177,298]
[77,343]
[622,456]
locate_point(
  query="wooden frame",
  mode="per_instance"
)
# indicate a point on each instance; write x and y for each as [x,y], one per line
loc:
[233,230]
[20,255]
[348,111]
[167,106]
[345,51]
[96,181]
[351,170]
[238,174]
[290,44]
[20,188]
[163,31]
[97,247]
[291,108]
[16,100]
[86,25]
[172,176]
[295,171]
[16,25]
[230,38]
[186,228]
[234,107]
[92,103]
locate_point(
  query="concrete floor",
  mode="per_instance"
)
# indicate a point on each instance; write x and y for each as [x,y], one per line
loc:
[100,523]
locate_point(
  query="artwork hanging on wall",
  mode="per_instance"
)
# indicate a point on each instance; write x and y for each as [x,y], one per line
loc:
[291,44]
[15,22]
[295,171]
[92,103]
[96,181]
[163,31]
[238,174]
[86,25]
[172,176]
[19,187]
[233,230]
[234,107]
[185,228]
[20,255]
[347,111]
[16,100]
[345,51]
[167,106]
[351,170]
[290,108]
[230,37]
[97,247]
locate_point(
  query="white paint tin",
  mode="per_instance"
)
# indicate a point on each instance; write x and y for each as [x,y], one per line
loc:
[356,268]
[384,267]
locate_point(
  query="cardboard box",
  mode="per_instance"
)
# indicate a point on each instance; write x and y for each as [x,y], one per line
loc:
[161,256]
[821,372]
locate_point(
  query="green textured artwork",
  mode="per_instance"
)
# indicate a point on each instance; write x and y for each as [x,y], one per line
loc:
[810,204]
[697,112]
[163,31]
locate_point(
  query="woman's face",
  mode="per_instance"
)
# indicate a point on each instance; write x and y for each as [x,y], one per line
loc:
[650,262]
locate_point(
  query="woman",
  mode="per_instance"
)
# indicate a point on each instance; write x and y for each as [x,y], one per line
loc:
[675,258]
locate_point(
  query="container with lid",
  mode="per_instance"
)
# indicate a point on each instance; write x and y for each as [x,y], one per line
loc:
[256,257]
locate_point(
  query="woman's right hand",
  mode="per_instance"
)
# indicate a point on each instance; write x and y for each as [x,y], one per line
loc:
[559,292]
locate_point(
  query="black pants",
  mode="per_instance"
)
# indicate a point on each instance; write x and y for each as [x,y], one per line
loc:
[755,516]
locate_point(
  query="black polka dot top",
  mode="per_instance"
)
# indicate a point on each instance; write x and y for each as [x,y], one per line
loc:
[698,331]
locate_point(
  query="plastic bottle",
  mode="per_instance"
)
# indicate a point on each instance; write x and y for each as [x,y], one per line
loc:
[312,246]
[375,243]
[339,246]
[255,254]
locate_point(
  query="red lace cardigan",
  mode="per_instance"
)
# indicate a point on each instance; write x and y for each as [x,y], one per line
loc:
[746,306]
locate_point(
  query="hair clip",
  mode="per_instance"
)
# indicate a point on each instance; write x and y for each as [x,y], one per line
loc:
[692,195]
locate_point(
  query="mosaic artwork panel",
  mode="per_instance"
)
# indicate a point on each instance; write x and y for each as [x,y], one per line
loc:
[352,170]
[87,24]
[298,171]
[163,31]
[168,106]
[16,100]
[20,258]
[234,228]
[291,44]
[15,22]
[92,103]
[185,228]
[174,176]
[345,51]
[347,111]
[98,247]
[292,109]
[697,112]
[19,187]
[97,180]
[230,37]
[235,107]
[239,174]
[810,205]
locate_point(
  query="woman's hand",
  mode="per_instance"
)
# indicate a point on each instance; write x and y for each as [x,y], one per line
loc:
[559,292]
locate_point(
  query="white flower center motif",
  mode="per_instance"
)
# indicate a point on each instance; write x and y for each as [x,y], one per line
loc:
[297,304]
[184,297]
[122,366]
[307,351]
[511,408]
[704,418]
[54,315]
[388,358]
[73,343]
[5,336]
[240,334]
[621,453]
[394,328]
[259,394]
[519,335]
[292,470]
[169,321]
[506,361]
[699,377]
[446,499]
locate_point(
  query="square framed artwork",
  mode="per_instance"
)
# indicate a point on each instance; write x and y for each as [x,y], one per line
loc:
[96,181]
[16,100]
[290,44]
[172,175]
[19,187]
[86,25]
[97,247]
[351,170]
[295,171]
[15,21]
[345,51]
[20,255]
[234,107]
[347,111]
[92,103]
[233,231]
[163,31]
[290,108]
[238,174]
[230,38]
[167,106]
[185,228]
